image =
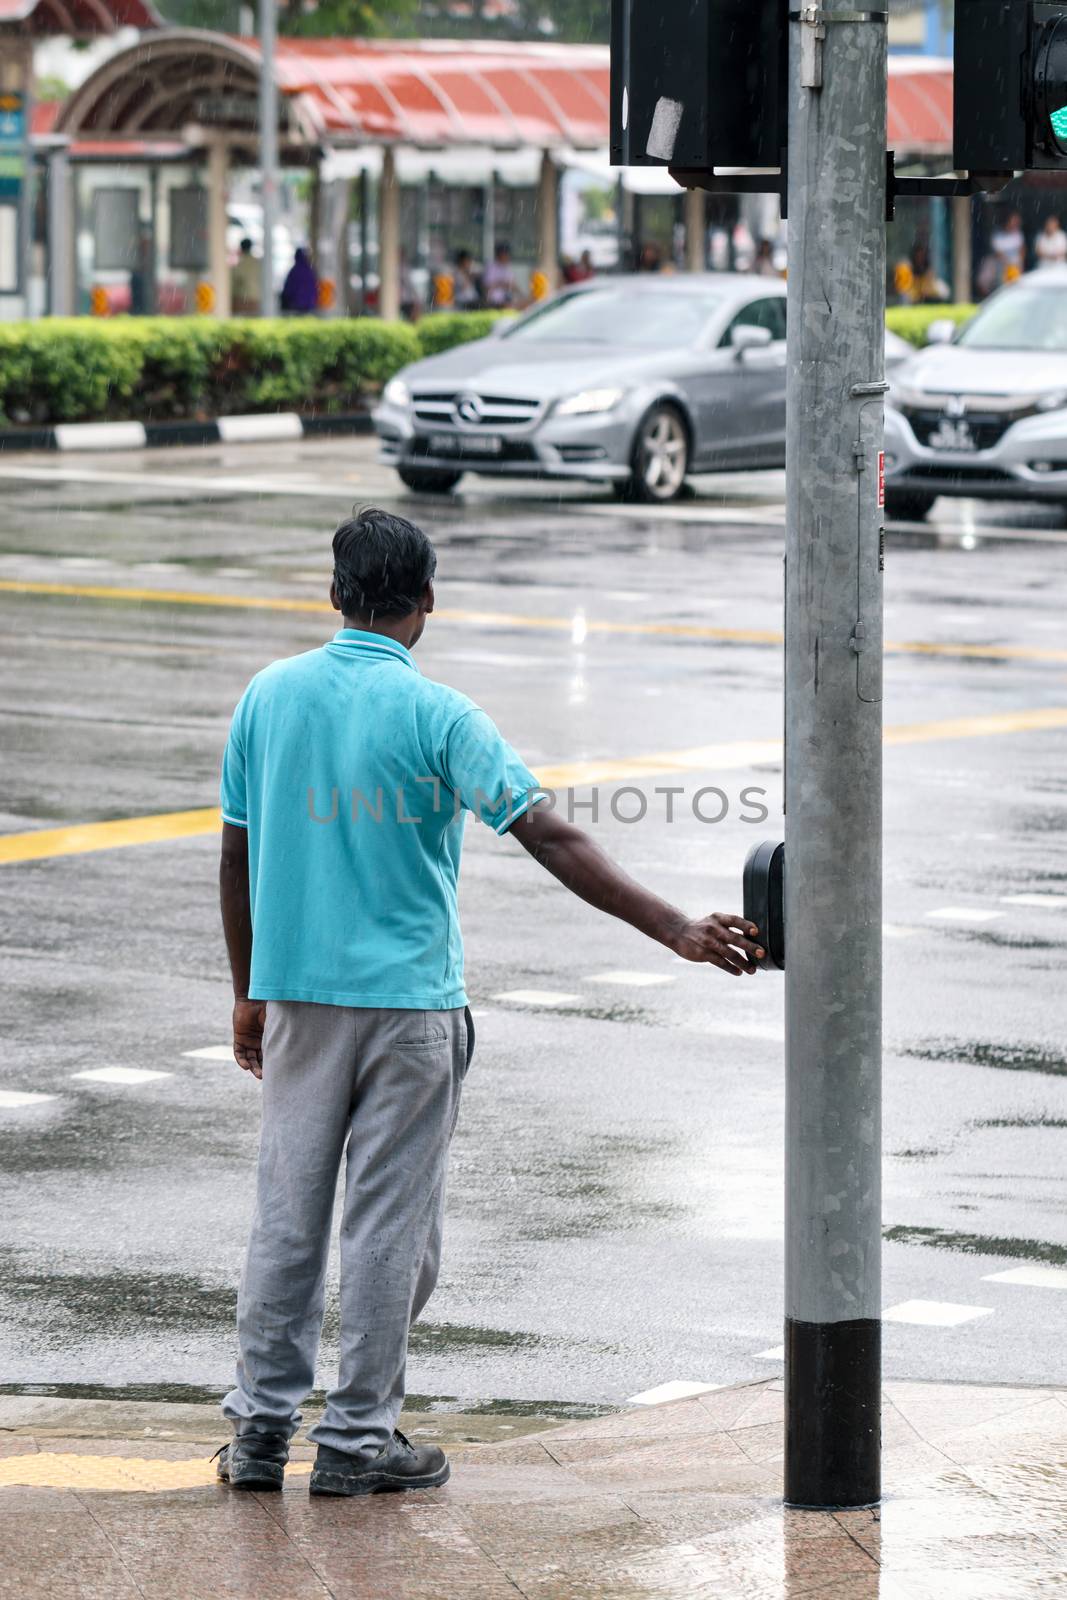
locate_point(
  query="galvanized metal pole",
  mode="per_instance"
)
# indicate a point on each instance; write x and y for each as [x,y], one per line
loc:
[268,150]
[833,768]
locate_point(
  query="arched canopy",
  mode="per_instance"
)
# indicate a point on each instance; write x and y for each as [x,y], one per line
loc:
[161,85]
[78,18]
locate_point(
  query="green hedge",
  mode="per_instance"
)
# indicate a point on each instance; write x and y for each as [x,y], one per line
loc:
[911,322]
[161,368]
[443,330]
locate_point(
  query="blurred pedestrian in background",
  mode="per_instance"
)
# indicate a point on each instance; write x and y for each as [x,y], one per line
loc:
[498,280]
[1050,246]
[763,261]
[916,281]
[466,289]
[245,282]
[410,304]
[300,291]
[1008,245]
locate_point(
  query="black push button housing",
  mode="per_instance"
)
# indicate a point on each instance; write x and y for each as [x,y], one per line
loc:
[764,884]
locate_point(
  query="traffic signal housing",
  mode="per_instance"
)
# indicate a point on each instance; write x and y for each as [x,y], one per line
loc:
[1010,86]
[698,84]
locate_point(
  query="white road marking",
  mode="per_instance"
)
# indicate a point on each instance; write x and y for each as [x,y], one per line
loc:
[677,1389]
[538,997]
[234,572]
[1042,902]
[120,1075]
[636,980]
[934,1313]
[210,1052]
[773,515]
[964,914]
[11,1098]
[775,1353]
[229,484]
[896,930]
[1034,1277]
[480,1011]
[87,563]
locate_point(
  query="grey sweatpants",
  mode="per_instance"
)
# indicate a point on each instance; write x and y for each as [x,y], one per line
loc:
[388,1083]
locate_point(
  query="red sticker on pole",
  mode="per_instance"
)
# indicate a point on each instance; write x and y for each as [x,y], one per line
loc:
[881,479]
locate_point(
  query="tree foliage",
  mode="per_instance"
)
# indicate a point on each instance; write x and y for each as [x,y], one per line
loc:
[574,20]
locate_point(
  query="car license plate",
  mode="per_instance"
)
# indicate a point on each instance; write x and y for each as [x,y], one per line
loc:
[465,444]
[952,433]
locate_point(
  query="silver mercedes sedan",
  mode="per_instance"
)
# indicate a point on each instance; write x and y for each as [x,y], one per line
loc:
[636,381]
[985,414]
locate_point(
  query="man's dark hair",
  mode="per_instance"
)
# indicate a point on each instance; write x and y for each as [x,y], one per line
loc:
[381,565]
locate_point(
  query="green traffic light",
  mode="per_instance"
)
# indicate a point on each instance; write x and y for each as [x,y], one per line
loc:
[1058,119]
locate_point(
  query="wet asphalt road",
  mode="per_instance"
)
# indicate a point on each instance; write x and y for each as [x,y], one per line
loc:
[615,1211]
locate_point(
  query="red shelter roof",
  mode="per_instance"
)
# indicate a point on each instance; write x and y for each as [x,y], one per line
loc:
[443,91]
[920,104]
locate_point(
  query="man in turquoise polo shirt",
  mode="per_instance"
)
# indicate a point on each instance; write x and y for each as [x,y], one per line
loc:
[346,780]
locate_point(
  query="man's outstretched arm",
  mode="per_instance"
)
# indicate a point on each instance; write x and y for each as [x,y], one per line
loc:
[248,1015]
[570,855]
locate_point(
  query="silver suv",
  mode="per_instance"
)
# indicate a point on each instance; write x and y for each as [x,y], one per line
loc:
[983,411]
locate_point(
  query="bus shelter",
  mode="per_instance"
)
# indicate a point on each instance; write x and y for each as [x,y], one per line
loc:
[141,155]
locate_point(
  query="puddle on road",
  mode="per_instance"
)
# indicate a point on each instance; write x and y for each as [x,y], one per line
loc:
[62,1307]
[434,1338]
[979,1244]
[195,1394]
[113,1304]
[1021,1122]
[603,1183]
[1004,1057]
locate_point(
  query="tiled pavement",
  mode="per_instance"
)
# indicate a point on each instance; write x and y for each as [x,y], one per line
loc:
[672,1500]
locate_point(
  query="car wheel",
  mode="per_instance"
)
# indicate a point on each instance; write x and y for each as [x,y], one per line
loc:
[428,480]
[910,505]
[660,456]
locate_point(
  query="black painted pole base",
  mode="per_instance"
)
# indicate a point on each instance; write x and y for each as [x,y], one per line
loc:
[833,1402]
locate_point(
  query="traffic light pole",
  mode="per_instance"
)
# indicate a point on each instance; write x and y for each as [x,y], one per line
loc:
[833,771]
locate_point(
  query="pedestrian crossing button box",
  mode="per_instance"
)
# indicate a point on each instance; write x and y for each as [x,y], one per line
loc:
[763,892]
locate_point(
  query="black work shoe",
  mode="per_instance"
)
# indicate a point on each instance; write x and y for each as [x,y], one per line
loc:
[398,1465]
[253,1460]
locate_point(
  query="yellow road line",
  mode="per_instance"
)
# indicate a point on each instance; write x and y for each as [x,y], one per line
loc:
[712,759]
[516,619]
[167,597]
[978,727]
[122,1474]
[84,837]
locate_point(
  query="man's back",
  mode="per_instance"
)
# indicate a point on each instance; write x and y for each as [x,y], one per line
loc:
[351,772]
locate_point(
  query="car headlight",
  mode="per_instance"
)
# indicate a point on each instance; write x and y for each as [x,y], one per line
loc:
[1052,402]
[589,400]
[396,393]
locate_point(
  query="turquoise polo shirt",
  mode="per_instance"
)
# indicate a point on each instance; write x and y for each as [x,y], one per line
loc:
[354,775]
